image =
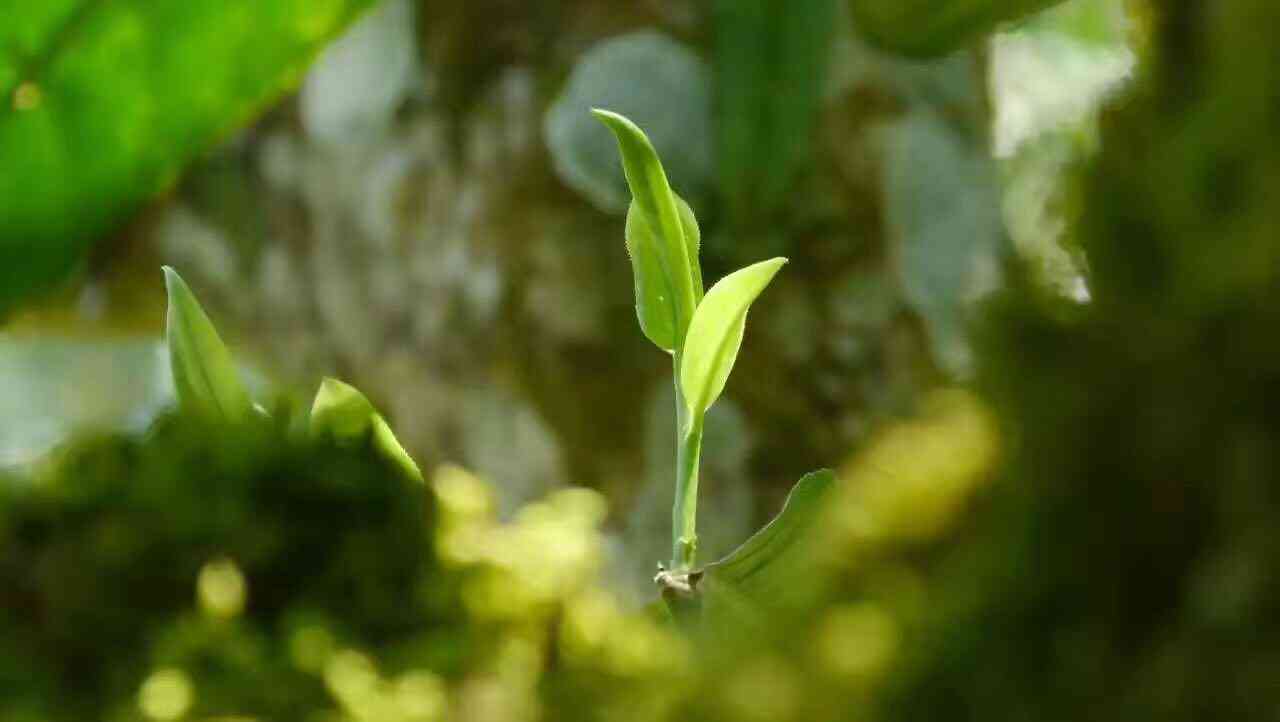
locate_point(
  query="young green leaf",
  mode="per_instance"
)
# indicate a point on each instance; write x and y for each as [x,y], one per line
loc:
[205,377]
[657,205]
[715,334]
[655,305]
[341,412]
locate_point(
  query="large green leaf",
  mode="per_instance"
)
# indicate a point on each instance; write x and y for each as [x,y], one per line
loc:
[655,305]
[657,205]
[205,378]
[103,103]
[715,335]
[928,28]
[345,415]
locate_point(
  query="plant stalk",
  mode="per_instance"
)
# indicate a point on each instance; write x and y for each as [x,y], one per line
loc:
[684,513]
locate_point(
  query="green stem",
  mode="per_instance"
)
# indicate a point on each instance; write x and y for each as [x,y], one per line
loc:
[684,513]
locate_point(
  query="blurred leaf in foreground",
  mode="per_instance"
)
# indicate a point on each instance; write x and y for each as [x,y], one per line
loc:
[205,378]
[101,104]
[340,411]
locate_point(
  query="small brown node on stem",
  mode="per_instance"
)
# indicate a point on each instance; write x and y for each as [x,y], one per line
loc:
[678,585]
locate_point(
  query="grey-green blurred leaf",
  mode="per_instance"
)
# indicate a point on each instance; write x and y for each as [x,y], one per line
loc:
[103,103]
[946,221]
[762,46]
[715,334]
[655,307]
[344,414]
[353,90]
[777,567]
[659,83]
[657,206]
[929,28]
[205,378]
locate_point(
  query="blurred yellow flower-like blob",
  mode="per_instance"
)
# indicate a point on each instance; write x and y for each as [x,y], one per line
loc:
[310,647]
[765,688]
[856,642]
[221,589]
[597,631]
[166,694]
[417,695]
[549,550]
[912,479]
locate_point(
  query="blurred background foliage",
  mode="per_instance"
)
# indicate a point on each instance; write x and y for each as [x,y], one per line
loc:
[1029,321]
[433,216]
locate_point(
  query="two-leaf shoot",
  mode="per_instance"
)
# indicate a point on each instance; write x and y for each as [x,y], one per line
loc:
[703,333]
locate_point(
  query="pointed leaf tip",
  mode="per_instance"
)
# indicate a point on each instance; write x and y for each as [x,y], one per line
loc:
[612,119]
[205,378]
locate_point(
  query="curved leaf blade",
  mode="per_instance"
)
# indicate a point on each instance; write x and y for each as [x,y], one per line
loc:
[655,305]
[715,335]
[774,572]
[657,204]
[347,416]
[205,377]
[776,539]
